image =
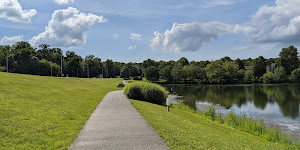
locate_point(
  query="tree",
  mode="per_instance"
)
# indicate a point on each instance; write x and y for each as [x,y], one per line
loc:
[214,72]
[288,58]
[225,59]
[259,66]
[231,71]
[268,78]
[176,72]
[240,63]
[295,76]
[279,74]
[151,73]
[109,68]
[248,76]
[147,63]
[165,73]
[189,71]
[73,63]
[183,61]
[94,64]
[24,58]
[125,72]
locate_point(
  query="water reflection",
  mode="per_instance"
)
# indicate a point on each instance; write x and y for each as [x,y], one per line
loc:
[286,96]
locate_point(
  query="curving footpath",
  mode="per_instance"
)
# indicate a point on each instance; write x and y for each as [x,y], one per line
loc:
[116,124]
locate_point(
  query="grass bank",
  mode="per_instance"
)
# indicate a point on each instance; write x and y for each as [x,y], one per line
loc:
[184,129]
[46,112]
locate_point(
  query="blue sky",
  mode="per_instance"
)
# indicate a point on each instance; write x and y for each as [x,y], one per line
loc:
[124,30]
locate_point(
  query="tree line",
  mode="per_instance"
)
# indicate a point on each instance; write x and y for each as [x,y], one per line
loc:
[23,58]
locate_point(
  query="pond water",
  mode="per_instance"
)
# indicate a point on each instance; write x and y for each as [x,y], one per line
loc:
[276,104]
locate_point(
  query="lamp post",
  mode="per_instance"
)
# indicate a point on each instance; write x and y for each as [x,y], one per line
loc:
[61,73]
[7,63]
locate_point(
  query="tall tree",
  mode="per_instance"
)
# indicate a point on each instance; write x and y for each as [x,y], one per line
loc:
[109,68]
[183,61]
[259,66]
[73,64]
[288,58]
[240,63]
[151,73]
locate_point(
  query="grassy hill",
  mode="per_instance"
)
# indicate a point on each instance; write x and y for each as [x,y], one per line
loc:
[184,129]
[46,112]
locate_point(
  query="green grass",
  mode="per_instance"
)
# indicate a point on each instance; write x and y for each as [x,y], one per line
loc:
[181,128]
[46,112]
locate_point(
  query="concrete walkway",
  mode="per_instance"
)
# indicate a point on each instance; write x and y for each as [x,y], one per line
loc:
[116,124]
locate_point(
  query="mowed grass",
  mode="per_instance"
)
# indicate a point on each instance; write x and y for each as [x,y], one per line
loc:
[184,129]
[46,112]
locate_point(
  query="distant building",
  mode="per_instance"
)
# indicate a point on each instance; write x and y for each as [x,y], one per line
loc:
[270,67]
[248,68]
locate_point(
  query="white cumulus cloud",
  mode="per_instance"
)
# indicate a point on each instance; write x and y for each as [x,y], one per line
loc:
[131,47]
[135,36]
[191,36]
[67,28]
[11,40]
[277,23]
[63,1]
[13,11]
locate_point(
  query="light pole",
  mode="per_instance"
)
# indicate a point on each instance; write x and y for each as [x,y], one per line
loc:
[51,70]
[61,65]
[7,63]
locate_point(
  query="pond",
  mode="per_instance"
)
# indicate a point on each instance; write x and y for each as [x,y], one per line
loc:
[275,104]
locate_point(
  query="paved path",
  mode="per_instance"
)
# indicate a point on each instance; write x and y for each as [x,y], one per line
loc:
[116,124]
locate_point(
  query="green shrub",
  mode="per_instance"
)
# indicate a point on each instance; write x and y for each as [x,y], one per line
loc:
[248,76]
[268,78]
[2,69]
[295,76]
[144,91]
[210,113]
[137,78]
[280,74]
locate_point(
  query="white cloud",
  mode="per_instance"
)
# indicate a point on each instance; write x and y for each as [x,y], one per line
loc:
[131,47]
[135,36]
[63,1]
[11,40]
[116,36]
[12,10]
[279,23]
[214,3]
[67,28]
[191,36]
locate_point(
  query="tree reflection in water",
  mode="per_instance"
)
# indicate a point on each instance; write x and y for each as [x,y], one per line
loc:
[287,96]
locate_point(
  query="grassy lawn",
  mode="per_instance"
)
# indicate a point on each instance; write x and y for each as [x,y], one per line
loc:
[46,112]
[183,129]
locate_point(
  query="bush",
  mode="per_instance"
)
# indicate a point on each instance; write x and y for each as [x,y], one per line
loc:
[248,76]
[279,74]
[137,78]
[210,113]
[295,76]
[268,78]
[2,69]
[144,91]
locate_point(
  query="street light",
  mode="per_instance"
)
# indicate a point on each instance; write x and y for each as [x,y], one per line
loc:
[7,61]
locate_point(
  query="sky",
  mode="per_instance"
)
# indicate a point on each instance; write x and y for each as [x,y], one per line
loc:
[135,30]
